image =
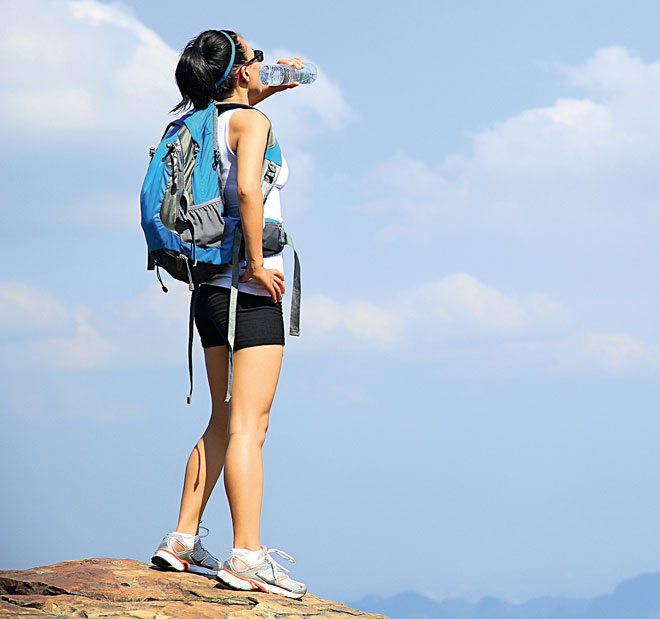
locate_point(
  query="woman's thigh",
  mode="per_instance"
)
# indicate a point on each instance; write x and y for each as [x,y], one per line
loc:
[217,362]
[255,376]
[259,320]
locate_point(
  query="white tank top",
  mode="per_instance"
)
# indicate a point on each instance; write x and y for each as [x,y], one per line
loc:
[272,209]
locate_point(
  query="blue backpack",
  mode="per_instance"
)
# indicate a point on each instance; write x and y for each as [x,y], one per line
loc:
[183,215]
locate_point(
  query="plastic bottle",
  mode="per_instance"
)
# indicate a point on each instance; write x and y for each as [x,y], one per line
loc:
[280,74]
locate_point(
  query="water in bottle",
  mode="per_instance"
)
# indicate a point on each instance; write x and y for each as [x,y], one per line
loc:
[280,74]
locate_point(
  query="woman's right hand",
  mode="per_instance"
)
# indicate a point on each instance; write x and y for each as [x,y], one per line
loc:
[271,279]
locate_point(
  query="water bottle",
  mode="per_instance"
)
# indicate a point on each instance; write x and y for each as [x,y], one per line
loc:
[280,74]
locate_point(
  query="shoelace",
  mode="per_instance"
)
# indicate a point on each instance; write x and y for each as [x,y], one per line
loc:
[208,554]
[274,564]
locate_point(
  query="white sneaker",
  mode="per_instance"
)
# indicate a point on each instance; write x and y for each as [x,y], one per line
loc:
[265,575]
[174,553]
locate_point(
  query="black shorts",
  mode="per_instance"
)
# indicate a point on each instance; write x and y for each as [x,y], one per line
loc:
[259,319]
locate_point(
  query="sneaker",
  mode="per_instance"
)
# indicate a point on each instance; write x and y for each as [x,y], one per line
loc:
[174,554]
[267,575]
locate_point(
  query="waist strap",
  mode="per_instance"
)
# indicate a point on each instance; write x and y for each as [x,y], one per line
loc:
[294,319]
[233,297]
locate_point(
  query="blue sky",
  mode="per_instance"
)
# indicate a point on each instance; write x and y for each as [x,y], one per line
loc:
[473,195]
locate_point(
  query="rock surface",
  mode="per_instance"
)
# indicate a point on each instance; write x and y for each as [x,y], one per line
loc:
[100,587]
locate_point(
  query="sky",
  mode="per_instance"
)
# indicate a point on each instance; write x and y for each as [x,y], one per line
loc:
[473,196]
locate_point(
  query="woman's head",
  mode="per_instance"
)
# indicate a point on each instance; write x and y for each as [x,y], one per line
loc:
[204,61]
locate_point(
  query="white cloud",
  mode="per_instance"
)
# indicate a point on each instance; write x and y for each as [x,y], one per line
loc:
[575,163]
[84,350]
[455,308]
[621,353]
[462,302]
[562,196]
[98,68]
[613,71]
[43,332]
[24,308]
[363,322]
[460,318]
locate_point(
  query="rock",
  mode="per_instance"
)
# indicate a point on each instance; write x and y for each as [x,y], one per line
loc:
[101,587]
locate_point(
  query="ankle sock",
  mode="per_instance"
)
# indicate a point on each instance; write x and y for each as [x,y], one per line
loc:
[249,556]
[188,538]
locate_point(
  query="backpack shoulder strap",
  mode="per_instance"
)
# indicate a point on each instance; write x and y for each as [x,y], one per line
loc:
[270,169]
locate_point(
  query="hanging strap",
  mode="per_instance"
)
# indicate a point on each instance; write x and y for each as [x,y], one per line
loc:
[160,279]
[191,320]
[233,298]
[294,319]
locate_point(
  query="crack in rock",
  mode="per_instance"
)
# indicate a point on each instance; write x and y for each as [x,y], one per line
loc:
[23,603]
[25,587]
[323,613]
[241,601]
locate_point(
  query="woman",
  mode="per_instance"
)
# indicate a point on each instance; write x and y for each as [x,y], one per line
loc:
[220,64]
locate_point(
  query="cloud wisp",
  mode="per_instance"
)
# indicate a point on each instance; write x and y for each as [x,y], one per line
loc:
[42,332]
[577,163]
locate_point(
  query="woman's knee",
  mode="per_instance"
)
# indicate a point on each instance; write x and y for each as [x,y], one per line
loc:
[248,426]
[256,371]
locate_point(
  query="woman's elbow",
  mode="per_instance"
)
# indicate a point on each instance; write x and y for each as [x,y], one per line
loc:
[249,191]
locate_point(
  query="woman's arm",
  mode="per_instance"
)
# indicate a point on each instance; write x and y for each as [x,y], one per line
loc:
[252,129]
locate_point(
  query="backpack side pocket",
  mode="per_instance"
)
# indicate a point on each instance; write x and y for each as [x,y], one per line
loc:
[273,238]
[207,224]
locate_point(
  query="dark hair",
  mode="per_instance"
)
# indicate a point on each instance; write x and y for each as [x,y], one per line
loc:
[202,63]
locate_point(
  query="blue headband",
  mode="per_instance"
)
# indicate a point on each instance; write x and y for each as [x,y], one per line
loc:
[231,60]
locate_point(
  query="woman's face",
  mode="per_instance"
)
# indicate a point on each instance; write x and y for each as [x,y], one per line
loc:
[251,71]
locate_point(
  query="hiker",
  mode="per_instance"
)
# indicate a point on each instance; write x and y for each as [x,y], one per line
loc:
[220,65]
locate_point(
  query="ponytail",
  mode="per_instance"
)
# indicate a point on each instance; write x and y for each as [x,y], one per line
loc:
[202,63]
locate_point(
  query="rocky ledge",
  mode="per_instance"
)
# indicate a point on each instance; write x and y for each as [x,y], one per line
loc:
[102,587]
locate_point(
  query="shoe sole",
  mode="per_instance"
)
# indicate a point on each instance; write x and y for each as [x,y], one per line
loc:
[166,560]
[247,584]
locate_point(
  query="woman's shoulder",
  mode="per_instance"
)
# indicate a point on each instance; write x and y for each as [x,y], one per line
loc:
[250,117]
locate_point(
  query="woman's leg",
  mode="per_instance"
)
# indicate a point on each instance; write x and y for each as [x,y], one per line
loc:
[256,372]
[208,456]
